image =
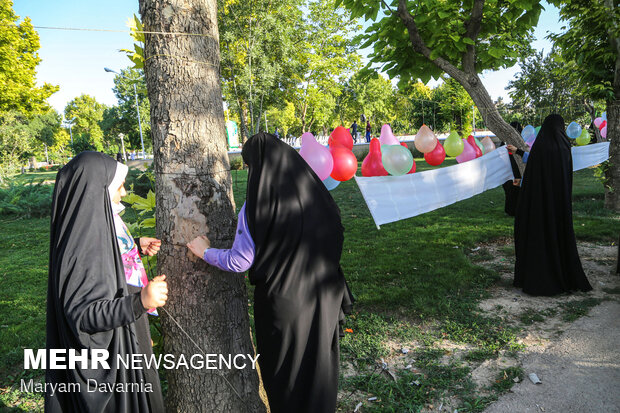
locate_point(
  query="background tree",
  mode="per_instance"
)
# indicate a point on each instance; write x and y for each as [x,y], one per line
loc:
[258,41]
[127,116]
[372,96]
[326,59]
[590,48]
[454,108]
[425,38]
[542,87]
[194,197]
[19,45]
[88,113]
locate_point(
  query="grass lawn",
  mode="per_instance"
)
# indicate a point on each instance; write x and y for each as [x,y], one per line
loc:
[415,280]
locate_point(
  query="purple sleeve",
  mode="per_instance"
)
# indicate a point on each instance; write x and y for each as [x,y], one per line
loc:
[241,256]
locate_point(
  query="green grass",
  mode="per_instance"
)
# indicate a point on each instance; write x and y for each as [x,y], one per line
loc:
[416,281]
[35,177]
[573,310]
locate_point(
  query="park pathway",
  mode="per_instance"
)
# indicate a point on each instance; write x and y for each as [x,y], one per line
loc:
[580,372]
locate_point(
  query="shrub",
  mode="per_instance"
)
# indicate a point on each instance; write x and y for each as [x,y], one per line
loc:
[27,200]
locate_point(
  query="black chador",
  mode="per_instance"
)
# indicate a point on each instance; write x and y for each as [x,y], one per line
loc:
[88,302]
[547,261]
[301,294]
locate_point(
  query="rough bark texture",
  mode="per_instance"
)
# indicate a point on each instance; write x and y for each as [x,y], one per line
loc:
[194,197]
[612,186]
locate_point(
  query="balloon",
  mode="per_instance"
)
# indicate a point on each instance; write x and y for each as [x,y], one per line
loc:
[330,183]
[488,144]
[603,124]
[530,142]
[318,156]
[604,116]
[537,130]
[372,164]
[597,122]
[453,145]
[480,145]
[340,137]
[412,170]
[472,141]
[425,139]
[604,132]
[468,153]
[345,164]
[584,138]
[436,156]
[387,137]
[573,130]
[397,160]
[528,132]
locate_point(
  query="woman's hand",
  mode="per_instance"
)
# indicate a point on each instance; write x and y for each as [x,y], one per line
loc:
[155,293]
[511,148]
[150,246]
[198,245]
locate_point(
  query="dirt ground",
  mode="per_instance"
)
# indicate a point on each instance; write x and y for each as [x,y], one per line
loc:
[546,327]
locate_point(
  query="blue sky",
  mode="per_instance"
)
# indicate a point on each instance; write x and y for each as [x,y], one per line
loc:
[74,60]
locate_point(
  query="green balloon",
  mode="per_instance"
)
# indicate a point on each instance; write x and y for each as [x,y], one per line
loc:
[453,145]
[481,146]
[397,160]
[584,138]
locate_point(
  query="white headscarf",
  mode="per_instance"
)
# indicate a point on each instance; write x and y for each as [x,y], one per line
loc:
[119,177]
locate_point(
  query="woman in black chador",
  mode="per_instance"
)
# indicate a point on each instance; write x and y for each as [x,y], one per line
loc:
[289,236]
[89,304]
[512,187]
[546,251]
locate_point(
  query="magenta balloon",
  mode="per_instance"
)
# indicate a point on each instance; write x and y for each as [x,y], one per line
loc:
[468,153]
[318,156]
[604,132]
[387,137]
[598,121]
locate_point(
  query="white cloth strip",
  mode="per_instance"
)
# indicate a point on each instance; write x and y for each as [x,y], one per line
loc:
[392,198]
[589,155]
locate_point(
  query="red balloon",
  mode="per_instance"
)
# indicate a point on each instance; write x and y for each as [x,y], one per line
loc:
[372,164]
[345,164]
[412,170]
[472,142]
[602,125]
[436,156]
[340,137]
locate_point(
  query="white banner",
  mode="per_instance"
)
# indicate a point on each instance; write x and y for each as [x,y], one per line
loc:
[589,155]
[392,198]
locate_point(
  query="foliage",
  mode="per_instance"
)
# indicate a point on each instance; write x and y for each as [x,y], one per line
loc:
[541,87]
[124,117]
[15,142]
[589,59]
[371,96]
[137,33]
[19,45]
[505,34]
[454,109]
[30,200]
[88,113]
[258,57]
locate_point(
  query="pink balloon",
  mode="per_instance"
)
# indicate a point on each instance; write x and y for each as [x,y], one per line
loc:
[468,153]
[598,121]
[604,132]
[425,140]
[387,137]
[318,156]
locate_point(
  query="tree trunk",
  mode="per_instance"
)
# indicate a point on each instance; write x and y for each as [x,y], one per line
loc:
[592,112]
[612,186]
[194,197]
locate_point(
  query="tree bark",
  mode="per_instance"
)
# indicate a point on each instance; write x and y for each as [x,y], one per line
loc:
[194,197]
[612,186]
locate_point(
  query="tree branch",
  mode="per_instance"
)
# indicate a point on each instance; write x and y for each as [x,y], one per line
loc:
[387,6]
[472,28]
[419,46]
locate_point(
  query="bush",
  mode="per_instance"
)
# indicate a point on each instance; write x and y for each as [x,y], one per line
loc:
[27,200]
[236,163]
[140,181]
